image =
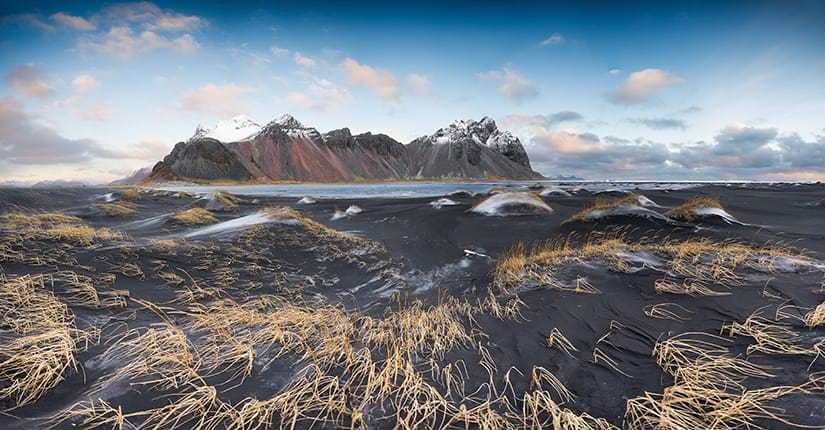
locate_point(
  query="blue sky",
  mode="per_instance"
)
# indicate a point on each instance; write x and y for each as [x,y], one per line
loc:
[646,90]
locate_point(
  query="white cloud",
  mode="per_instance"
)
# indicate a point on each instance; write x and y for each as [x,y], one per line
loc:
[304,61]
[614,72]
[73,22]
[643,85]
[123,43]
[219,100]
[555,39]
[321,95]
[30,81]
[585,154]
[185,44]
[127,29]
[420,84]
[279,52]
[381,82]
[512,84]
[25,140]
[151,17]
[85,83]
[82,84]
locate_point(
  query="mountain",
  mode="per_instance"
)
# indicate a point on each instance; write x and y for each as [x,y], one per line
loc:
[136,177]
[469,149]
[59,183]
[565,178]
[287,149]
[231,130]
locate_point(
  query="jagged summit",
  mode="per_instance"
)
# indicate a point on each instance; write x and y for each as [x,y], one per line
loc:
[240,149]
[478,131]
[484,132]
[229,130]
[287,122]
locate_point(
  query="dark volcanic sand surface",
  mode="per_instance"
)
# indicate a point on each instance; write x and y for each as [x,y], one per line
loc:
[426,246]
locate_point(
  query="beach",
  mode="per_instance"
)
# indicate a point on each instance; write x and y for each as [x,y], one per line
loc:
[258,311]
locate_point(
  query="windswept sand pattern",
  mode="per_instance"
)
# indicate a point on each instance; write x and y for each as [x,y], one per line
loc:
[700,308]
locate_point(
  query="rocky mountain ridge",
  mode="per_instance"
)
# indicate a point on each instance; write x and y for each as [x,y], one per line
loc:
[286,149]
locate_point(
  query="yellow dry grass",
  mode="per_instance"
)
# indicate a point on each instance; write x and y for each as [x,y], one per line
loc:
[23,226]
[584,215]
[354,365]
[770,336]
[557,340]
[130,195]
[117,209]
[327,240]
[38,340]
[194,216]
[816,317]
[227,200]
[166,245]
[709,389]
[669,311]
[80,290]
[692,264]
[686,211]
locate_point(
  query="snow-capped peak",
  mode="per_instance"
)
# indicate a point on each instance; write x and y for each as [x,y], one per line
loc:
[484,132]
[288,122]
[480,132]
[234,129]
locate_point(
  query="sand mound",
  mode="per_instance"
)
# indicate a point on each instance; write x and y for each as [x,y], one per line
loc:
[699,208]
[307,200]
[630,206]
[612,191]
[691,266]
[107,198]
[242,223]
[554,192]
[116,209]
[512,203]
[646,202]
[351,210]
[194,216]
[438,204]
[219,201]
[461,194]
[495,190]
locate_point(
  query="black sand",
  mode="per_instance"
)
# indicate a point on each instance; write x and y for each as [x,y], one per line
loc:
[425,246]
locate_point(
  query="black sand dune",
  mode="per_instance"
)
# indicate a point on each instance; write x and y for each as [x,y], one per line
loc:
[267,325]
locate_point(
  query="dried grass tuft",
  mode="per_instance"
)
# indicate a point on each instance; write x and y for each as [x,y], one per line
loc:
[585,215]
[691,264]
[194,216]
[117,209]
[21,226]
[130,195]
[687,211]
[38,340]
[816,317]
[709,389]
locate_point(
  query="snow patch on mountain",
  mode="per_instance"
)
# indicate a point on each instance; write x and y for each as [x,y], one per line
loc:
[234,129]
[484,132]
